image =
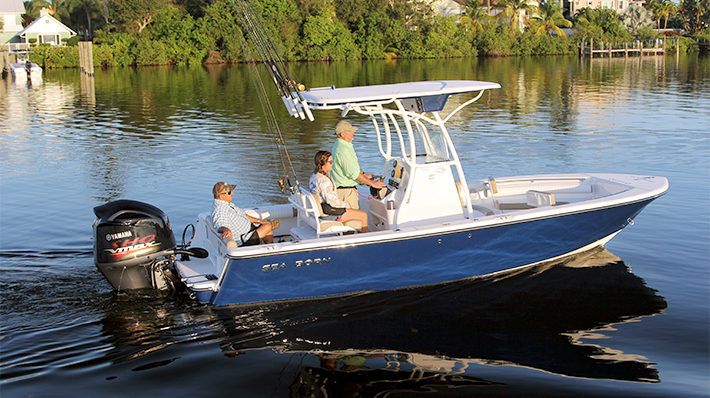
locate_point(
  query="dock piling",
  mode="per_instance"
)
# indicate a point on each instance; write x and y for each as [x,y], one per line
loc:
[655,47]
[86,58]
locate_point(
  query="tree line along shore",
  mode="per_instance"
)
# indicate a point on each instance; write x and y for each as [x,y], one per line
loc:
[196,32]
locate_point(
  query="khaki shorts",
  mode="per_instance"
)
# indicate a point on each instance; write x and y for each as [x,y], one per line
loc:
[349,195]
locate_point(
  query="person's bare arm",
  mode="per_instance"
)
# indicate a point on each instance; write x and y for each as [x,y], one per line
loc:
[367,180]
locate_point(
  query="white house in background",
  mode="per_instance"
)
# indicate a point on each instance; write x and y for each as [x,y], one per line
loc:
[46,29]
[619,6]
[456,7]
[446,7]
[11,20]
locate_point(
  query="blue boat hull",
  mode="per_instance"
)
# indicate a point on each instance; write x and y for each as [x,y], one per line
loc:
[430,259]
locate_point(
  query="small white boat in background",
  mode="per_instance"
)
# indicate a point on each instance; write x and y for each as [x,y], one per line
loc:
[24,69]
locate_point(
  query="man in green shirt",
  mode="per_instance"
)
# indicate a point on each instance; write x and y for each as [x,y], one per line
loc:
[346,173]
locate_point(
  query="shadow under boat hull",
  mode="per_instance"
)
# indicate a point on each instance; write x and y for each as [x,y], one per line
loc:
[393,263]
[550,317]
[544,317]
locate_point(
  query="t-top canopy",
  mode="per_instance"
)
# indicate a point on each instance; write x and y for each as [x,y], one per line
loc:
[326,97]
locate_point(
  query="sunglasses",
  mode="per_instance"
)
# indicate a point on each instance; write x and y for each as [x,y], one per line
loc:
[227,193]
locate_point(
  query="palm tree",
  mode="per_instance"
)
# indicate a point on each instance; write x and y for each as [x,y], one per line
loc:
[473,14]
[695,15]
[551,18]
[89,7]
[636,17]
[106,13]
[515,10]
[664,9]
[56,8]
[475,3]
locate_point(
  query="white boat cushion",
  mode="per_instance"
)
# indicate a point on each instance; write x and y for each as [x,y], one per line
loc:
[537,198]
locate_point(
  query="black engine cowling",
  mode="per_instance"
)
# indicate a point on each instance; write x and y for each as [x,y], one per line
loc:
[129,236]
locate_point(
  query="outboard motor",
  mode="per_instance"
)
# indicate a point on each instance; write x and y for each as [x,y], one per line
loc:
[133,245]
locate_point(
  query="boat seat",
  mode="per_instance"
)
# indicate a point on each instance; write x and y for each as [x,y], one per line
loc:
[513,206]
[481,209]
[228,242]
[534,199]
[309,211]
[539,198]
[489,188]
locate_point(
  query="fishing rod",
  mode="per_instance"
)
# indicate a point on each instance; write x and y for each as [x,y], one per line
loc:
[269,114]
[287,86]
[289,80]
[261,46]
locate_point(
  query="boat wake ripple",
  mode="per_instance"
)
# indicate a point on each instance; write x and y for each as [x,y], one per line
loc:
[544,317]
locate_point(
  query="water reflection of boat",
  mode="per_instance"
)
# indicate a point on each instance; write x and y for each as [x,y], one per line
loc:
[378,375]
[536,317]
[429,337]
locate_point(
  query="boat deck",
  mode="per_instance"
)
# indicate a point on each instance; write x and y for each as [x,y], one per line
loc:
[494,202]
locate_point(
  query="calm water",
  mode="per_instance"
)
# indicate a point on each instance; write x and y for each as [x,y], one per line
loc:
[632,320]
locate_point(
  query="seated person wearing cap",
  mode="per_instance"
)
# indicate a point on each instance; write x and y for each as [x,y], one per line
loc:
[346,173]
[233,223]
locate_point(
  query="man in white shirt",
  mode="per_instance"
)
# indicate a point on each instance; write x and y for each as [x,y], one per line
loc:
[233,223]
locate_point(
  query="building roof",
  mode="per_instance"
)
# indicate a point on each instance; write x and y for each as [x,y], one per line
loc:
[12,7]
[33,26]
